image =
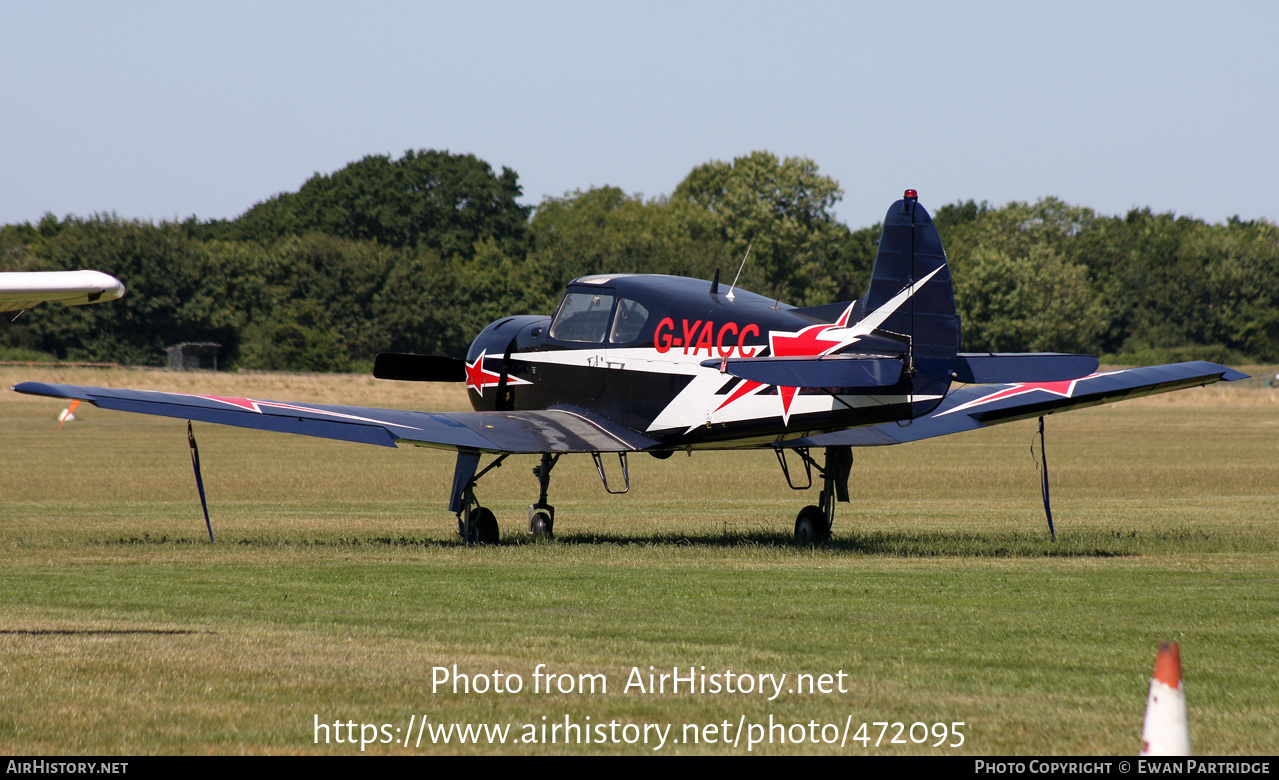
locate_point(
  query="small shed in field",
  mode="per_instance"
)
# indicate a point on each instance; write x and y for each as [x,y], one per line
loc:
[193,356]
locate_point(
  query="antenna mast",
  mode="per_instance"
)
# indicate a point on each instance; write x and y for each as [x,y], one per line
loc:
[732,286]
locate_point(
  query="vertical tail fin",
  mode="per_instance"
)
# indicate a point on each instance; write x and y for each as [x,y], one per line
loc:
[911,258]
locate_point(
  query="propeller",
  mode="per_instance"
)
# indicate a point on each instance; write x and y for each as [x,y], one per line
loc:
[408,367]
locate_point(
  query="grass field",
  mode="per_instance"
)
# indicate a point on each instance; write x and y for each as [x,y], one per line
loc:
[337,583]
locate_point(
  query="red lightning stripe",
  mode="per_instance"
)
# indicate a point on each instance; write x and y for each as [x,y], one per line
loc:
[808,342]
[1064,388]
[743,389]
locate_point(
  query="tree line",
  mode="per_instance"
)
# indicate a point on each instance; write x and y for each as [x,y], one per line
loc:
[417,254]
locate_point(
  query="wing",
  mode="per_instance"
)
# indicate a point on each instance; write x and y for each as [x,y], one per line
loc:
[564,429]
[23,289]
[979,406]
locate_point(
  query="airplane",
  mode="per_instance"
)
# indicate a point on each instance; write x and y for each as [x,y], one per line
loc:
[634,363]
[20,290]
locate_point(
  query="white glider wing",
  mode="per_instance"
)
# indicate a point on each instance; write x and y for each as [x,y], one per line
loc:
[23,289]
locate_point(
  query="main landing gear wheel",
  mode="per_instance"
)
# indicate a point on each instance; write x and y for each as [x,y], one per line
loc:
[483,527]
[476,524]
[813,524]
[541,525]
[810,526]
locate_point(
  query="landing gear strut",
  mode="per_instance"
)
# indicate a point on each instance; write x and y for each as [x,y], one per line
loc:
[476,524]
[813,524]
[541,516]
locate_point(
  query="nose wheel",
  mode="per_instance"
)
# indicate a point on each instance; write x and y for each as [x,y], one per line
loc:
[541,516]
[541,523]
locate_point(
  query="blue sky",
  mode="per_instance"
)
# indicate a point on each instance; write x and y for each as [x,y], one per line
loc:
[163,110]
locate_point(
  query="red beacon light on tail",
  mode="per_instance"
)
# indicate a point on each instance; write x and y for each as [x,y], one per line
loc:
[911,195]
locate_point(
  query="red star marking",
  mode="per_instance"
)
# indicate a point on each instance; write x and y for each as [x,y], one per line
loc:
[479,378]
[808,342]
[1064,388]
[243,403]
[249,405]
[788,395]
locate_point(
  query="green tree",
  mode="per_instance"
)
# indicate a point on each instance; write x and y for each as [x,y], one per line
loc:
[427,199]
[1157,292]
[297,338]
[781,211]
[176,292]
[1242,260]
[604,230]
[415,308]
[1037,302]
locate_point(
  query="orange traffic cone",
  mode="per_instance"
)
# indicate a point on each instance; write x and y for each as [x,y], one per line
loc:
[1166,732]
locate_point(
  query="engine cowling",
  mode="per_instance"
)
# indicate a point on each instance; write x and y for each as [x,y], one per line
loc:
[487,381]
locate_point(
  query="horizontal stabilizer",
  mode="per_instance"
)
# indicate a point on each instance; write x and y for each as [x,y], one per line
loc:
[408,367]
[829,371]
[987,369]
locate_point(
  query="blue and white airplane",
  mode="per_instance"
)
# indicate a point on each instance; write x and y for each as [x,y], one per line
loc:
[634,363]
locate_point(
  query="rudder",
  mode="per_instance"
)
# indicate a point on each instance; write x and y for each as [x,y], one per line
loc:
[911,255]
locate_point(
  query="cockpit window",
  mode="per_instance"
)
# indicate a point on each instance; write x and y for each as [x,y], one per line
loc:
[628,322]
[582,317]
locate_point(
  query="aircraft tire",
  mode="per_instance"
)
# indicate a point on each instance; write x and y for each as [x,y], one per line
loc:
[810,526]
[541,526]
[485,526]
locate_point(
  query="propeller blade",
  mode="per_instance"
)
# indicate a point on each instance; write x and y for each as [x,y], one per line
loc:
[408,367]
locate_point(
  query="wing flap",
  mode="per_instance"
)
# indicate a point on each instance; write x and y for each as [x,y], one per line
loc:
[554,430]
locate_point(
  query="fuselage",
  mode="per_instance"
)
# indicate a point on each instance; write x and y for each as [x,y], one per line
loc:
[631,348]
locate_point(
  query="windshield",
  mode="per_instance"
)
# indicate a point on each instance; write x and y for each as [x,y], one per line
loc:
[582,317]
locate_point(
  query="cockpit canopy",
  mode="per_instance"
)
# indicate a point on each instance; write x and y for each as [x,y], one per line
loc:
[587,317]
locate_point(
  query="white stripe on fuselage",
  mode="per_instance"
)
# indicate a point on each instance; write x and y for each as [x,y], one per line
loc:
[697,404]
